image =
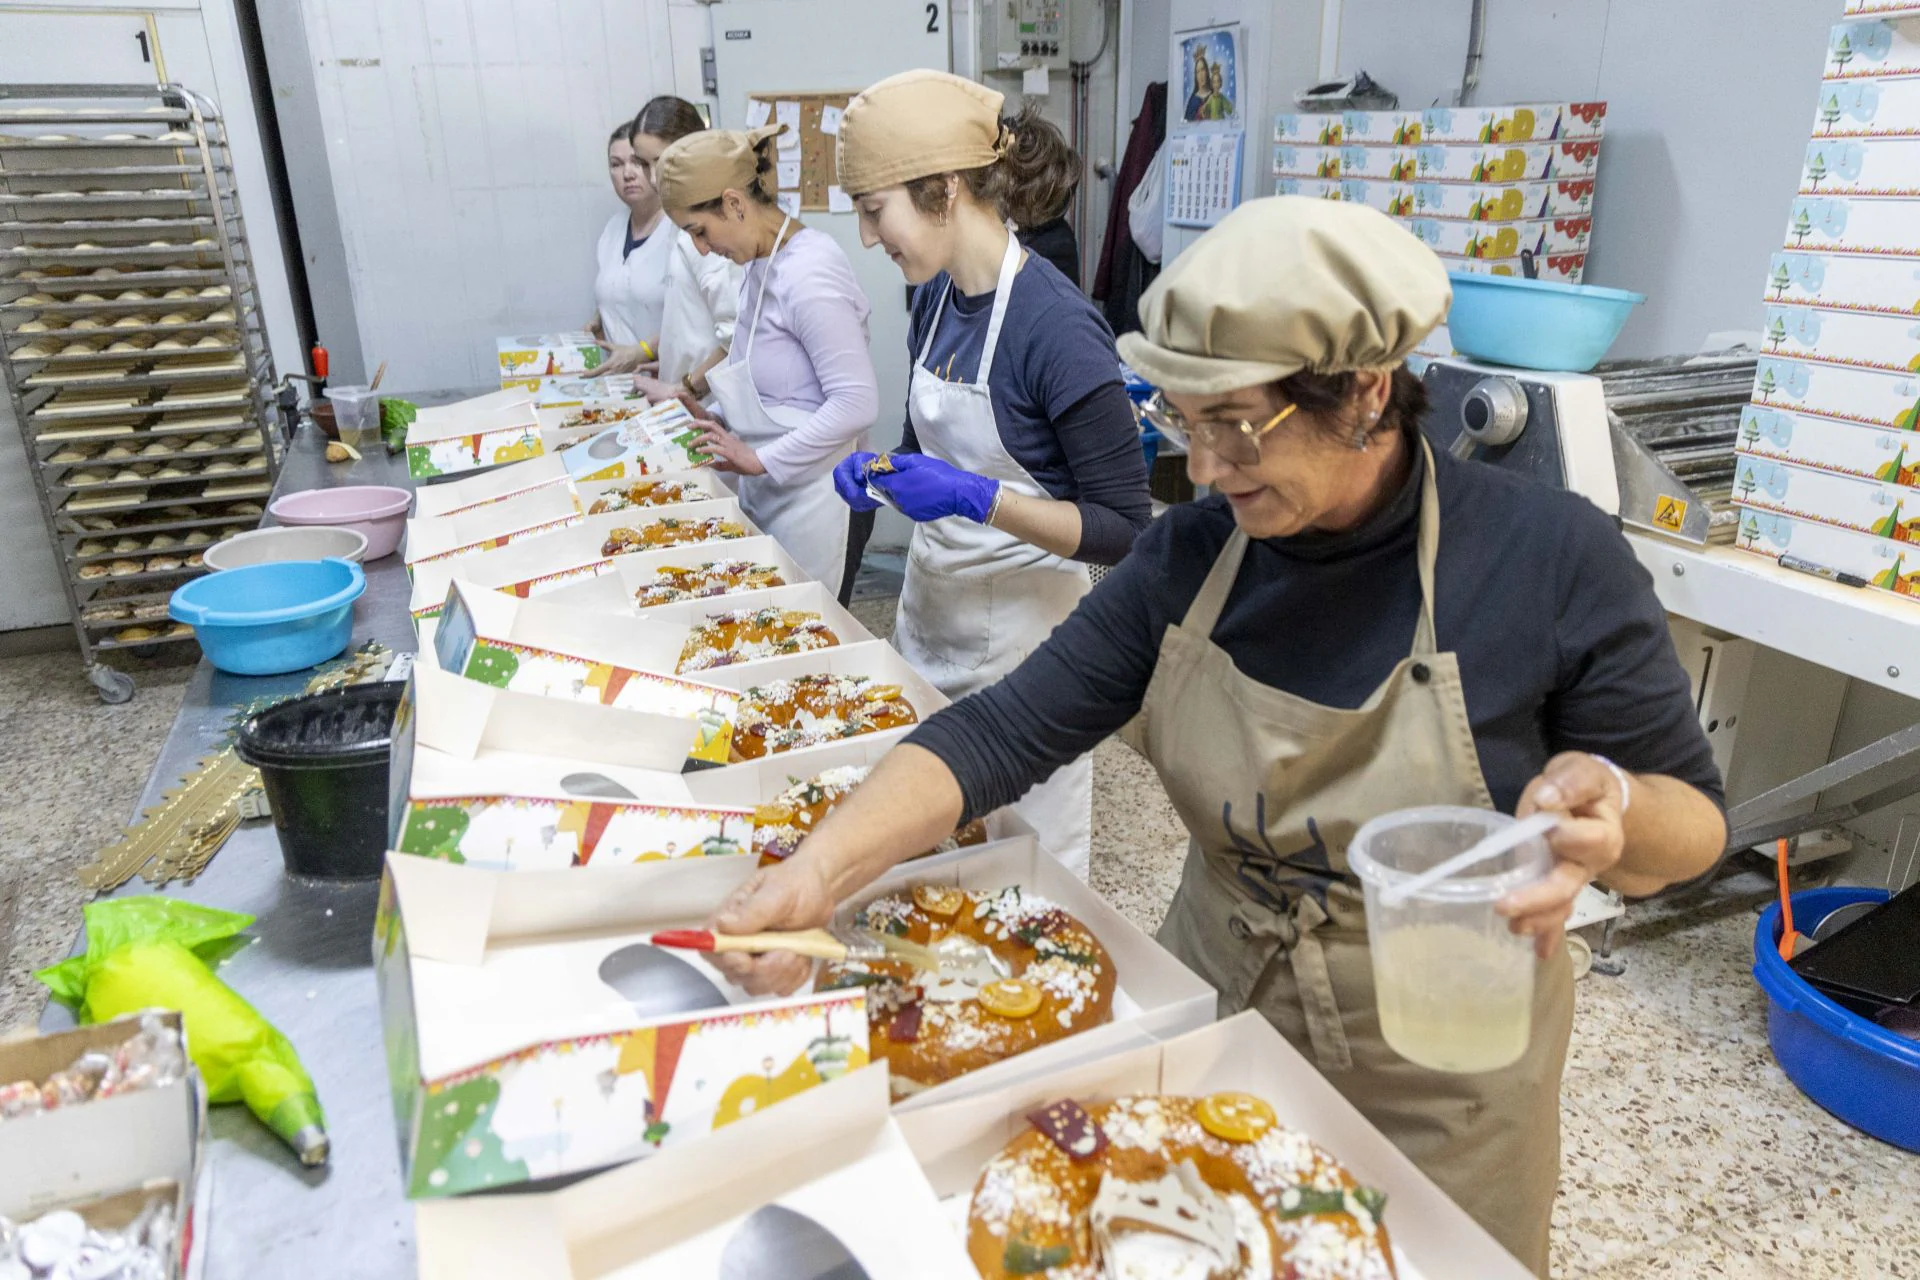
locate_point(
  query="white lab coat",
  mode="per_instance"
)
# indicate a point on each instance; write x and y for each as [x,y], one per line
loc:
[703,297]
[631,289]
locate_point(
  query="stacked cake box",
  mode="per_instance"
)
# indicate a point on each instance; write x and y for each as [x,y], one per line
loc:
[1479,184]
[1826,468]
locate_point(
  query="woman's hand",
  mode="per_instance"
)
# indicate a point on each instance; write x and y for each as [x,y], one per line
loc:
[1586,844]
[728,451]
[789,895]
[850,481]
[655,390]
[639,357]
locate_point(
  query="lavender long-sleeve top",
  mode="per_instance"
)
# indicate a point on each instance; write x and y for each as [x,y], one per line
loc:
[809,351]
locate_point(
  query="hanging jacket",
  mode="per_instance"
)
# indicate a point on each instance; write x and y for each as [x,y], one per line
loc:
[1124,271]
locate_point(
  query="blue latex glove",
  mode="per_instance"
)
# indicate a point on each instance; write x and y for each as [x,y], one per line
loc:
[927,489]
[850,481]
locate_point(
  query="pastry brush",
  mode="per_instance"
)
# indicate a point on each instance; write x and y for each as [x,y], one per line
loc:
[821,944]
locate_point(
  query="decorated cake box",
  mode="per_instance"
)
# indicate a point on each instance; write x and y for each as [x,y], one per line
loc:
[1880,562]
[1886,342]
[544,1035]
[1381,128]
[1526,122]
[1884,168]
[1882,9]
[1474,202]
[570,424]
[1856,50]
[574,390]
[1841,282]
[741,630]
[1865,506]
[485,431]
[1490,163]
[1845,448]
[486,528]
[1153,994]
[1883,107]
[548,355]
[832,1183]
[1309,128]
[1455,238]
[619,452]
[1432,1238]
[851,674]
[589,664]
[1840,224]
[1567,268]
[705,571]
[1312,188]
[1865,396]
[1306,162]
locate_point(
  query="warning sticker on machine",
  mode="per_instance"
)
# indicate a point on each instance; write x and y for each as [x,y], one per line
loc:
[1669,513]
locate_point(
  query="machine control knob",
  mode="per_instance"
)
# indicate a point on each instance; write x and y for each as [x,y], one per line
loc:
[1494,412]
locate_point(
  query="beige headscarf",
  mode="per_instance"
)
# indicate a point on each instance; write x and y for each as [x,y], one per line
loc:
[1283,284]
[916,124]
[698,167]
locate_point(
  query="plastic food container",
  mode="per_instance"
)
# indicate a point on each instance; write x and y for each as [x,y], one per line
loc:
[323,761]
[266,619]
[1861,1072]
[293,542]
[379,511]
[1536,324]
[356,413]
[1454,984]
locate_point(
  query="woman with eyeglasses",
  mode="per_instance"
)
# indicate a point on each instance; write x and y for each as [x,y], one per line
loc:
[1352,624]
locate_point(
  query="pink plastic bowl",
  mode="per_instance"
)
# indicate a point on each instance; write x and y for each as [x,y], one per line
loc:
[376,510]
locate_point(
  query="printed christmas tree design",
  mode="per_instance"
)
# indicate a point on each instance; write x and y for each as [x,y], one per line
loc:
[1749,530]
[434,831]
[1816,170]
[1776,332]
[1842,52]
[1780,280]
[1802,226]
[1749,431]
[1889,578]
[1893,471]
[456,1149]
[1830,113]
[1768,384]
[652,1053]
[1888,526]
[489,665]
[1747,482]
[1908,419]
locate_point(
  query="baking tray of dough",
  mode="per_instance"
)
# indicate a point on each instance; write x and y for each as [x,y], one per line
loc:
[175,446]
[137,374]
[151,222]
[89,547]
[43,116]
[76,475]
[130,523]
[43,282]
[211,398]
[132,306]
[117,252]
[181,569]
[172,636]
[178,140]
[85,199]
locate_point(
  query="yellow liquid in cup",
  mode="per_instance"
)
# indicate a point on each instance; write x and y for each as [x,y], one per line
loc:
[1452,999]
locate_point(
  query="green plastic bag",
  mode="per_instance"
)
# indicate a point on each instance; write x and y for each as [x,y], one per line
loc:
[146,953]
[396,416]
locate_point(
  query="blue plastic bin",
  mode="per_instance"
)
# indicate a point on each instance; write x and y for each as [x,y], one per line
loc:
[265,619]
[1536,324]
[1863,1073]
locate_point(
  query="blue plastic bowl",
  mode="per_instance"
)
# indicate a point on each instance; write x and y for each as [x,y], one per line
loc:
[1863,1073]
[265,619]
[1536,324]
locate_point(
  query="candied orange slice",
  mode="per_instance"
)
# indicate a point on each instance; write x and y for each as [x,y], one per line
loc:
[1235,1117]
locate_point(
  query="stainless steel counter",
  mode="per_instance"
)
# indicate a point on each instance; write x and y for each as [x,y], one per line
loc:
[309,970]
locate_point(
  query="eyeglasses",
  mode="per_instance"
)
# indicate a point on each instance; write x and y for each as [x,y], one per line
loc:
[1236,443]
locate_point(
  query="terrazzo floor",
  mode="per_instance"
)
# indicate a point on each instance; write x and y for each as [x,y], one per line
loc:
[1687,1152]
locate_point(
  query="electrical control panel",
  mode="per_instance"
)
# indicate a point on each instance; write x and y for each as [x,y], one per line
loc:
[1027,33]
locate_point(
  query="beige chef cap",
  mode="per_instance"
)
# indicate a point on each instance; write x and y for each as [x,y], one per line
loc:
[916,124]
[698,167]
[1283,284]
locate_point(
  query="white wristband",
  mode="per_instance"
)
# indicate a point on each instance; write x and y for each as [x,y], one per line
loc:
[1625,780]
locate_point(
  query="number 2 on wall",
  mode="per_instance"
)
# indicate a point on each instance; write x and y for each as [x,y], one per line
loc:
[146,54]
[933,19]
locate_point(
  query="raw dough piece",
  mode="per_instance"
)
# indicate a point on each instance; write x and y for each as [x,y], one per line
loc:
[125,568]
[88,572]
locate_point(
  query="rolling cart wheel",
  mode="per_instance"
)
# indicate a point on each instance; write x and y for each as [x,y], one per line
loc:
[1581,953]
[115,687]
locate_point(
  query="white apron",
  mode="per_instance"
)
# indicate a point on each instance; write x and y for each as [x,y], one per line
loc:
[806,517]
[631,291]
[703,296]
[977,601]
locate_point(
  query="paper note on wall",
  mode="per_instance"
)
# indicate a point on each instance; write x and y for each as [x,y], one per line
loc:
[830,121]
[789,175]
[758,113]
[789,203]
[838,201]
[788,114]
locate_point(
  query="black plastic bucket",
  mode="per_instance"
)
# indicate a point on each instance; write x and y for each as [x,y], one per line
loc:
[323,760]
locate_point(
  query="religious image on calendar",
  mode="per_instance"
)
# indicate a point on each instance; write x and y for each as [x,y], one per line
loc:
[1210,77]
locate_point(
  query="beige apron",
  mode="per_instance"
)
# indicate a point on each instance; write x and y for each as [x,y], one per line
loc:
[1272,788]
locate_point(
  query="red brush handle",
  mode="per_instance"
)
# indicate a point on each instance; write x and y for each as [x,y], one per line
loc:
[320,362]
[684,939]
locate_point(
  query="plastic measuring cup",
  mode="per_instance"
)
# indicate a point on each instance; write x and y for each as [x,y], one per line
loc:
[1453,983]
[356,411]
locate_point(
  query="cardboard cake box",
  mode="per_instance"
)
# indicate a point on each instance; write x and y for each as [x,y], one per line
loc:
[84,1156]
[1567,268]
[1865,396]
[1845,448]
[607,593]
[1475,202]
[832,1183]
[1491,163]
[1885,168]
[637,569]
[588,668]
[1455,238]
[613,454]
[1312,188]
[537,1033]
[571,390]
[1880,562]
[1306,162]
[1886,342]
[494,525]
[1523,122]
[484,431]
[1432,1237]
[1865,506]
[1842,224]
[1843,282]
[1309,128]
[1381,128]
[548,355]
[1883,107]
[1887,47]
[571,423]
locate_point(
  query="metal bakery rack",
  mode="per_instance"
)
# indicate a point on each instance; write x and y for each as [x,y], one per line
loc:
[135,351]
